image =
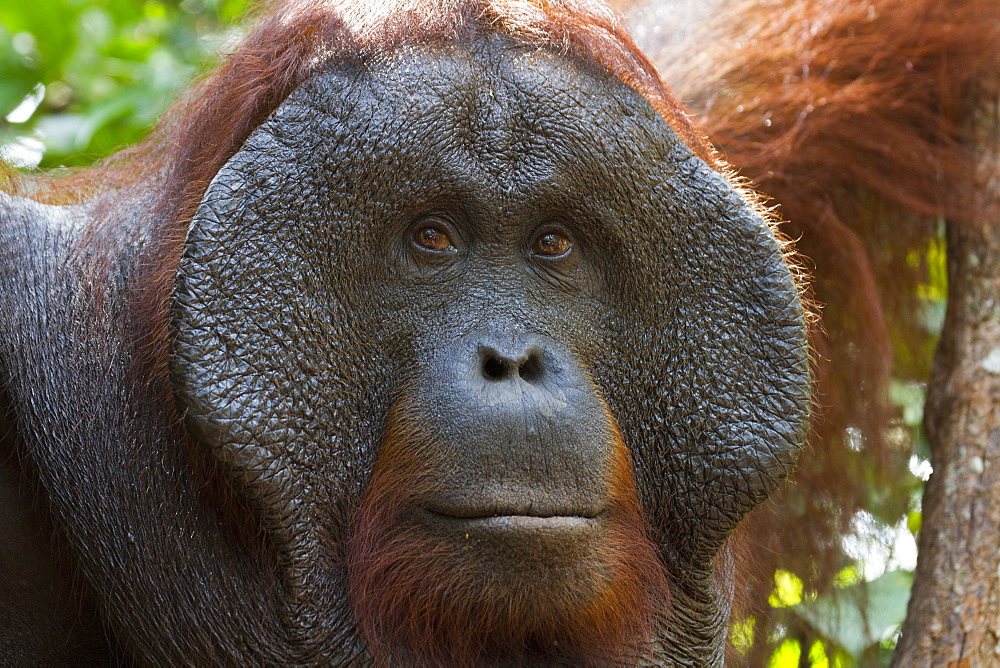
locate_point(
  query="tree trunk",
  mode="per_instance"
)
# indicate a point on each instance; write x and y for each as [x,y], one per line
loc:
[954,612]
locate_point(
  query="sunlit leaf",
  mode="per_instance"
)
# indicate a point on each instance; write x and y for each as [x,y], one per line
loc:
[860,617]
[786,656]
[741,634]
[787,590]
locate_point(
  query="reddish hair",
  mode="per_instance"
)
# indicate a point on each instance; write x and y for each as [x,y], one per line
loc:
[420,600]
[852,116]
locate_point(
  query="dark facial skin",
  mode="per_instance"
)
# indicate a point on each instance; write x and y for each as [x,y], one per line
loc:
[508,258]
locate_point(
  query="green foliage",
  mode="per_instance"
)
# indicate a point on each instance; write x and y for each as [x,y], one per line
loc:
[80,78]
[787,591]
[789,655]
[863,616]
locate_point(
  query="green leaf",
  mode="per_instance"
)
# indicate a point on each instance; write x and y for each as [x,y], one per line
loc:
[914,521]
[786,656]
[787,590]
[859,617]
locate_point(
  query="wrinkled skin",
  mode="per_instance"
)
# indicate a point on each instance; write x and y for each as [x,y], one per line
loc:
[304,313]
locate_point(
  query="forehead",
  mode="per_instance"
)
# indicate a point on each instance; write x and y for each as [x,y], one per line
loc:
[492,105]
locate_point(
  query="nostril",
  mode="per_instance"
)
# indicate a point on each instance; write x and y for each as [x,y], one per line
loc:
[494,369]
[531,369]
[497,366]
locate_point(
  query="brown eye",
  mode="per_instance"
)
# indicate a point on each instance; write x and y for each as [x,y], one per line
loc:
[432,239]
[551,244]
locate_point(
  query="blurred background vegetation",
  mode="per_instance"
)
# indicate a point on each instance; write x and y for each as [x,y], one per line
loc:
[80,78]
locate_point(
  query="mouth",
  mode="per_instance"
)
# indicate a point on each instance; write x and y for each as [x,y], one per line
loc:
[508,541]
[517,518]
[515,521]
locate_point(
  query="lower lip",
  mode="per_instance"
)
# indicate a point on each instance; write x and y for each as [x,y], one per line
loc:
[531,522]
[520,522]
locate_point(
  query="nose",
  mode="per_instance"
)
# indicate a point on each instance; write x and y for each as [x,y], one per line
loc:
[522,359]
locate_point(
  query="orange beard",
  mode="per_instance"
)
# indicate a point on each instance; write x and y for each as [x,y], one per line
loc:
[420,599]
